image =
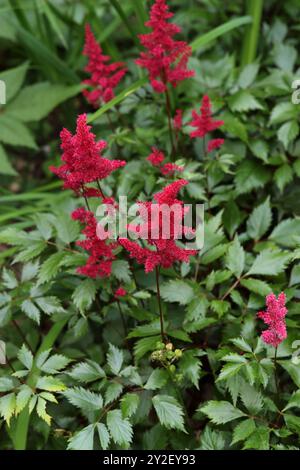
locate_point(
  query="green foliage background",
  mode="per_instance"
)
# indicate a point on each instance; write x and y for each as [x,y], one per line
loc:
[77,376]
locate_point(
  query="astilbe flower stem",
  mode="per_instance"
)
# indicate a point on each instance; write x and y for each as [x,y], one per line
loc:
[161,316]
[168,109]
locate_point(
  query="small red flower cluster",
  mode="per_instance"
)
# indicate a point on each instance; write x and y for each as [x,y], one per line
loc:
[204,124]
[165,59]
[100,251]
[156,159]
[120,292]
[274,317]
[161,251]
[104,77]
[83,163]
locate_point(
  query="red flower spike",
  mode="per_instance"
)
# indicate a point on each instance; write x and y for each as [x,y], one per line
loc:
[161,251]
[274,317]
[165,58]
[104,77]
[100,251]
[82,160]
[204,122]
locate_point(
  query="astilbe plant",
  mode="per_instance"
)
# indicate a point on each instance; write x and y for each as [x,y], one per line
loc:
[212,314]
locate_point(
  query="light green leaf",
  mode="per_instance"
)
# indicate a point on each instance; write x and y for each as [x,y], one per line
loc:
[259,439]
[115,359]
[41,410]
[158,378]
[221,412]
[177,291]
[84,399]
[235,260]
[13,79]
[119,428]
[6,167]
[83,440]
[50,267]
[270,263]
[112,392]
[259,220]
[50,384]
[7,407]
[169,412]
[87,372]
[129,404]
[288,132]
[285,233]
[243,430]
[13,132]
[256,286]
[31,310]
[55,364]
[84,294]
[25,356]
[104,436]
[35,102]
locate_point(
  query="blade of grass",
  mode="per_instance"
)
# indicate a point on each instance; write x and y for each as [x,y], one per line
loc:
[54,23]
[21,430]
[141,14]
[19,14]
[44,56]
[117,99]
[219,31]
[254,9]
[126,22]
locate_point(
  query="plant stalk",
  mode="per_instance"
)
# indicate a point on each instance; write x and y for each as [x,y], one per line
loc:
[161,317]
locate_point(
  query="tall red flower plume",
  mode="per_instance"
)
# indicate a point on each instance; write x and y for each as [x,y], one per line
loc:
[100,251]
[161,249]
[165,58]
[204,124]
[274,317]
[104,77]
[82,160]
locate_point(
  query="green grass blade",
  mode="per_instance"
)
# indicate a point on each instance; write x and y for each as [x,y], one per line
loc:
[139,7]
[117,99]
[254,9]
[126,22]
[44,56]
[219,31]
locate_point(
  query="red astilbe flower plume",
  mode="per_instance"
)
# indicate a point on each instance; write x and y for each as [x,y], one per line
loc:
[169,169]
[104,77]
[156,157]
[100,251]
[165,59]
[274,317]
[204,124]
[82,160]
[161,249]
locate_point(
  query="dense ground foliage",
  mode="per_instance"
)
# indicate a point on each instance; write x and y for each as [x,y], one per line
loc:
[110,344]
